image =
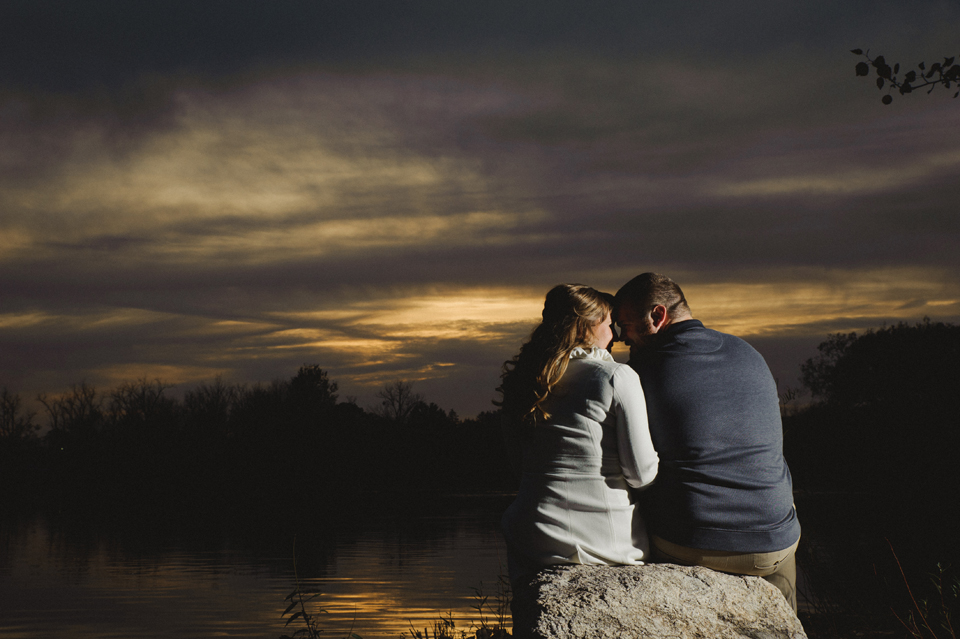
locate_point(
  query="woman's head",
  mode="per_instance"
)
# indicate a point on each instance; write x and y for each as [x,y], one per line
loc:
[573,315]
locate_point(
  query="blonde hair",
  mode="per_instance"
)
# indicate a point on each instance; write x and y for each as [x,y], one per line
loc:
[570,313]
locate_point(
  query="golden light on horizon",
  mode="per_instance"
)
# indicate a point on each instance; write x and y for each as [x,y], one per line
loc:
[168,374]
[89,320]
[477,307]
[429,333]
[381,338]
[860,299]
[441,313]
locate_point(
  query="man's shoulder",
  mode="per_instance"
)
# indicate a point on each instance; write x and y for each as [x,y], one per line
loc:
[690,328]
[694,347]
[693,332]
[690,335]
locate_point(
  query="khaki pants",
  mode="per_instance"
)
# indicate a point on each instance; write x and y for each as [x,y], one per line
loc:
[779,568]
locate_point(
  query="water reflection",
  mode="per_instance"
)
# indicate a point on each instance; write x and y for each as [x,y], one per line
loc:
[377,577]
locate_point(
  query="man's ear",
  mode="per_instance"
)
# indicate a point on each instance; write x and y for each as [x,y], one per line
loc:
[658,317]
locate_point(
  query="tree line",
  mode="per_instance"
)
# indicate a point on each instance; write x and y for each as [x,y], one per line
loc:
[289,442]
[883,418]
[886,412]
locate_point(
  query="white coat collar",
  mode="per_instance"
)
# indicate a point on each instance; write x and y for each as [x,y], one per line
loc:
[594,352]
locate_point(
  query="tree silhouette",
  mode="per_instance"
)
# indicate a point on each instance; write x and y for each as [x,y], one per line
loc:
[140,406]
[15,424]
[915,368]
[210,406]
[944,73]
[78,412]
[311,392]
[397,401]
[424,415]
[886,415]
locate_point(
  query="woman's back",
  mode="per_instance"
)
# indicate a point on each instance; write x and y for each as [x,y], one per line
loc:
[574,503]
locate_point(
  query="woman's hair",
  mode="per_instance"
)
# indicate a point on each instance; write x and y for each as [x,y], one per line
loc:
[569,314]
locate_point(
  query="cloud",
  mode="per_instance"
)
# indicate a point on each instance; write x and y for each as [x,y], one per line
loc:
[399,210]
[801,305]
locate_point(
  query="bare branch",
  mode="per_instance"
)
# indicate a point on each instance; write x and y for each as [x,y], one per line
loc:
[397,401]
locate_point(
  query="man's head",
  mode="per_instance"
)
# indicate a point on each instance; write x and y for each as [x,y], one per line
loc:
[646,305]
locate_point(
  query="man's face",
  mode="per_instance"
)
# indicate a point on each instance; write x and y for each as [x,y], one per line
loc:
[636,328]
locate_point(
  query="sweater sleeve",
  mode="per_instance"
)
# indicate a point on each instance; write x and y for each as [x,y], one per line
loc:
[638,458]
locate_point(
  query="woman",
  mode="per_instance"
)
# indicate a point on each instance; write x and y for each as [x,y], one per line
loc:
[576,424]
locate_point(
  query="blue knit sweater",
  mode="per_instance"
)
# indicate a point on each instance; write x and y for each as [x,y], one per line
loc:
[715,422]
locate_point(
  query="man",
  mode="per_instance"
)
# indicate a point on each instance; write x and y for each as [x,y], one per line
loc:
[724,497]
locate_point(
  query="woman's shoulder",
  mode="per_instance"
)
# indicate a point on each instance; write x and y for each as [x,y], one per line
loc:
[596,361]
[626,374]
[600,377]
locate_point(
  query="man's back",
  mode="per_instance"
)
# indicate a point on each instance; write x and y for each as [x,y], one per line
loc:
[715,421]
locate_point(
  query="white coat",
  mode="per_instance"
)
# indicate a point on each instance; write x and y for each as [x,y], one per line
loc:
[575,504]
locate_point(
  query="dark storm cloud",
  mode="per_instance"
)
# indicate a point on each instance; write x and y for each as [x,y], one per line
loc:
[62,45]
[67,45]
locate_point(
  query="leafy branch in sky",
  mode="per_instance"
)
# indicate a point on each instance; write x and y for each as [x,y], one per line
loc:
[946,73]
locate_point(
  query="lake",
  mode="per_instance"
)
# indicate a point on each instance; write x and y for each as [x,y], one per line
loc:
[378,576]
[382,563]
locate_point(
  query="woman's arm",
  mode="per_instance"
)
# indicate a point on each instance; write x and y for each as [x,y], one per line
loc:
[638,458]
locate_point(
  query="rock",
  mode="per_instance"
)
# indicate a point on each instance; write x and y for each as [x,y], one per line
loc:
[651,601]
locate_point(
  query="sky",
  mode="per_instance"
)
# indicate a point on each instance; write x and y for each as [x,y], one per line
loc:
[388,189]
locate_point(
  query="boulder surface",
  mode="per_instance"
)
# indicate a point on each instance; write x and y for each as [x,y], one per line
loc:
[651,601]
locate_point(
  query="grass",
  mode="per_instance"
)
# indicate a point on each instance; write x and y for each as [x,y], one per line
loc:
[892,599]
[493,617]
[299,598]
[492,622]
[494,627]
[938,610]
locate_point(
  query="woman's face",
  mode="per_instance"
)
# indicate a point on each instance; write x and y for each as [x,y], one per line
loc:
[601,335]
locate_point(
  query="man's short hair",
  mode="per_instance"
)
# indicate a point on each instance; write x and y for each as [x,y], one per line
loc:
[651,289]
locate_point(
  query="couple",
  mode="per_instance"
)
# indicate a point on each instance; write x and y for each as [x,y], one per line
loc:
[701,438]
